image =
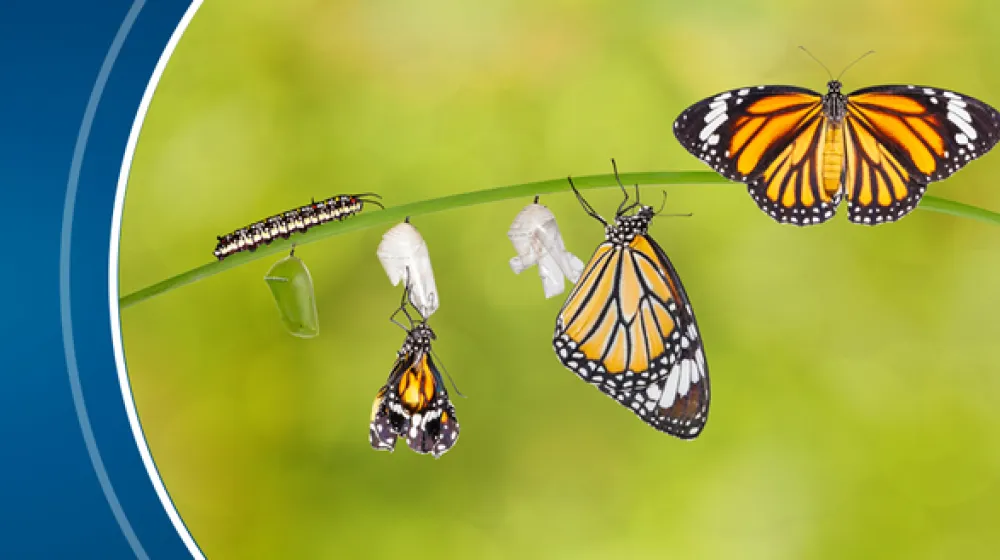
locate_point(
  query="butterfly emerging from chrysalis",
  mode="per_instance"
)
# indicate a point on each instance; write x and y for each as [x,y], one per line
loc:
[283,225]
[413,404]
[800,153]
[629,329]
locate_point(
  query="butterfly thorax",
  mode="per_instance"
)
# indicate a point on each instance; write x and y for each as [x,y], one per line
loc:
[625,228]
[418,339]
[834,103]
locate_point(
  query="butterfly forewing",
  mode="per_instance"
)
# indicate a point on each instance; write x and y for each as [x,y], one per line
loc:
[900,138]
[739,132]
[628,328]
[618,328]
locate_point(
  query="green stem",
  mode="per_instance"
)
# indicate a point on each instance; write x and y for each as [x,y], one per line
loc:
[396,214]
[959,209]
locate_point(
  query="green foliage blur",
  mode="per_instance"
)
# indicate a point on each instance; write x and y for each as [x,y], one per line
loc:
[854,370]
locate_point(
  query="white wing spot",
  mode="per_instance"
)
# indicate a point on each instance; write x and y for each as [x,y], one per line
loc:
[712,126]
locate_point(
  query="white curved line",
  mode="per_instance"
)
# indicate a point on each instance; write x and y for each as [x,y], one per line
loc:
[116,335]
[65,303]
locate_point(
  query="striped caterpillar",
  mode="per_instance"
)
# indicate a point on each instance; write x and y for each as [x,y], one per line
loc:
[283,225]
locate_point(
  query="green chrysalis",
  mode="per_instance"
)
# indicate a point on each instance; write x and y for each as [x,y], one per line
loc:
[292,288]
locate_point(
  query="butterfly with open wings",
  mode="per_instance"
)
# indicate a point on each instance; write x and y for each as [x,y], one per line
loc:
[800,153]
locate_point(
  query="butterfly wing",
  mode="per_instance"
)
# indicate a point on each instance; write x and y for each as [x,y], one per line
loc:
[900,138]
[414,405]
[381,431]
[678,404]
[627,327]
[774,139]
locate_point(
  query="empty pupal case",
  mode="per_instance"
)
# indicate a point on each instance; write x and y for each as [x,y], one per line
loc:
[404,256]
[536,238]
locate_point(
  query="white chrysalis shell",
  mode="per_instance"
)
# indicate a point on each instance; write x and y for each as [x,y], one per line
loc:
[403,254]
[537,240]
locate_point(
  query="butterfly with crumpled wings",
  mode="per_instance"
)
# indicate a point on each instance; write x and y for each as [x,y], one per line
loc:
[413,404]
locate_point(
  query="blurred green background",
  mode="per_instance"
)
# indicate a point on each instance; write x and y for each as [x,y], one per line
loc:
[854,370]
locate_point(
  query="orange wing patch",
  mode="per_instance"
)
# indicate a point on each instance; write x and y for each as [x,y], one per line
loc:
[887,102]
[417,386]
[904,122]
[793,178]
[876,184]
[590,280]
[903,135]
[781,102]
[775,129]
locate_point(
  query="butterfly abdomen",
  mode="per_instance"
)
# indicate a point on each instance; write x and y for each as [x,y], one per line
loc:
[833,159]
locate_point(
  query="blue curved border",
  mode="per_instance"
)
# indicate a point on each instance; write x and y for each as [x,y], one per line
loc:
[65,305]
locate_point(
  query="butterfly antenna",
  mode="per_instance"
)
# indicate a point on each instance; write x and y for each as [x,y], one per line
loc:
[440,363]
[857,60]
[805,50]
[614,167]
[586,205]
[624,207]
[664,203]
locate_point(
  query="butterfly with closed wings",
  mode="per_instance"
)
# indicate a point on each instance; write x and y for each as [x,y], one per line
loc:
[800,153]
[628,327]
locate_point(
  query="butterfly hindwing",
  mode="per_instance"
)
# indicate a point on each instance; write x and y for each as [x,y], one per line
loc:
[900,138]
[678,403]
[801,185]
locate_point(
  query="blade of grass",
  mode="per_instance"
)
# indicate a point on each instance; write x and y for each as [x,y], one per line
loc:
[959,209]
[396,214]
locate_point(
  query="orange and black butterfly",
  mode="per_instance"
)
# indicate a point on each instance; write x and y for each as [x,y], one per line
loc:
[413,404]
[800,152]
[628,327]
